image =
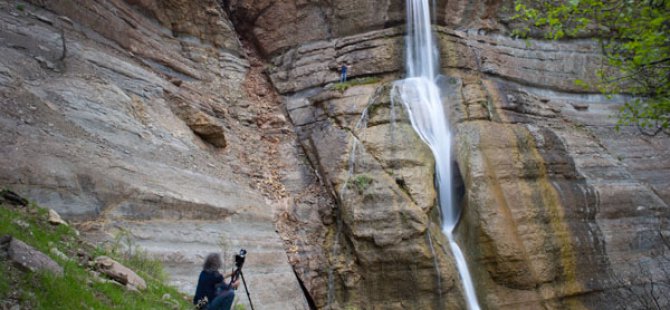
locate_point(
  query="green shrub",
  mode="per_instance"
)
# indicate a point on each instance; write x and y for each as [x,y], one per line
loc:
[355,82]
[362,182]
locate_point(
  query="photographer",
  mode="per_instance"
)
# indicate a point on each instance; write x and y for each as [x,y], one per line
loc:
[212,291]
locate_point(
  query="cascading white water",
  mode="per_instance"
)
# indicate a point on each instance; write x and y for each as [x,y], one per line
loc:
[421,98]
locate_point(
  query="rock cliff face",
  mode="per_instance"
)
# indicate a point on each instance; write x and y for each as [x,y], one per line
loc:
[155,118]
[559,206]
[149,117]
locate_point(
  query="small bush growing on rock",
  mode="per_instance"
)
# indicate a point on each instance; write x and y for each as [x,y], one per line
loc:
[20,7]
[362,182]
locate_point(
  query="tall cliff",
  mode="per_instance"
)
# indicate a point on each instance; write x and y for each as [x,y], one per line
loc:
[202,125]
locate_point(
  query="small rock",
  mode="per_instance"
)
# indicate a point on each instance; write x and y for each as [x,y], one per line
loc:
[44,62]
[66,19]
[59,254]
[207,128]
[21,223]
[118,272]
[580,106]
[54,218]
[90,226]
[42,18]
[28,258]
[51,106]
[212,11]
[177,82]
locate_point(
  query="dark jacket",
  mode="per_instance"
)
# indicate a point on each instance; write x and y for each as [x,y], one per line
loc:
[207,285]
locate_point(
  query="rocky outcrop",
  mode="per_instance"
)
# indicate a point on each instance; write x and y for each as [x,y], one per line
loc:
[26,257]
[126,131]
[546,176]
[541,207]
[55,219]
[119,273]
[316,63]
[276,26]
[381,175]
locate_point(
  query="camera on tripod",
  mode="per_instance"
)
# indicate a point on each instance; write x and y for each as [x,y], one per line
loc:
[239,258]
[237,273]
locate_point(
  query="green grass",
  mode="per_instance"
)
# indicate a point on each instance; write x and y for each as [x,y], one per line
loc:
[129,254]
[240,307]
[4,281]
[77,289]
[354,82]
[20,7]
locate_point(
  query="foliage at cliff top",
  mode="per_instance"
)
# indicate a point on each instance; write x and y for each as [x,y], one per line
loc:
[635,39]
[77,288]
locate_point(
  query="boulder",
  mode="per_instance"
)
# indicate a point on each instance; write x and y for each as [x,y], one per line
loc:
[207,128]
[119,273]
[26,257]
[55,219]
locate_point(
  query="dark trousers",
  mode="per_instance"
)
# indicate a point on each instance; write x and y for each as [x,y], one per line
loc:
[223,301]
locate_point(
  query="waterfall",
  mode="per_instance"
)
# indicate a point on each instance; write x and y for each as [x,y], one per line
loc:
[421,98]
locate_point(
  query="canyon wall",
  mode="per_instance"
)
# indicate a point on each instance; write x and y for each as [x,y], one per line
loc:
[560,208]
[201,126]
[150,119]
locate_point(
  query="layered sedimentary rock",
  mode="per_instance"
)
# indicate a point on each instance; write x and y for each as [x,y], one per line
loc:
[144,119]
[384,246]
[558,205]
[152,117]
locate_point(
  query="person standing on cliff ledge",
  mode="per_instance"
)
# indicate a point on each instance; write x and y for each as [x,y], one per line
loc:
[343,69]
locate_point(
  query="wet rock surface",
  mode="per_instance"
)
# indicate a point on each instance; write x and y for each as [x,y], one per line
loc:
[381,175]
[548,181]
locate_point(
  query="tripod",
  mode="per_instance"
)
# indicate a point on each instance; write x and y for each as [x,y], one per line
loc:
[238,274]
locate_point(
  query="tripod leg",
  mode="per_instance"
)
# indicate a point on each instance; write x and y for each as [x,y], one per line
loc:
[246,289]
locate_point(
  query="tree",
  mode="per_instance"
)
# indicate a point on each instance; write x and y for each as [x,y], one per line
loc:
[634,37]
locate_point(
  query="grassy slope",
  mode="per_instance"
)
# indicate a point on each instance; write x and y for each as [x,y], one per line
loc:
[78,289]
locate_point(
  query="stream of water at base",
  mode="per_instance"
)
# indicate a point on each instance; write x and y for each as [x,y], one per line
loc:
[421,98]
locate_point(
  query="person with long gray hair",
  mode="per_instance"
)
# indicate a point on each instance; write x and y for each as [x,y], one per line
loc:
[212,291]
